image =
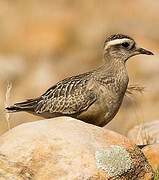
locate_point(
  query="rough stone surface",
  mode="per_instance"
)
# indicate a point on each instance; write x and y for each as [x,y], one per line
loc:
[152,154]
[65,148]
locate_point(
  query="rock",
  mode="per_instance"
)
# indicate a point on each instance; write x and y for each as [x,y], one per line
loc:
[152,154]
[65,148]
[145,134]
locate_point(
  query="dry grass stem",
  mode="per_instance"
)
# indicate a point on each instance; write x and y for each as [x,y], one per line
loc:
[143,134]
[7,98]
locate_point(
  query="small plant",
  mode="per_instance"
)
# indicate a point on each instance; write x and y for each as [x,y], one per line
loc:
[142,134]
[156,176]
[134,89]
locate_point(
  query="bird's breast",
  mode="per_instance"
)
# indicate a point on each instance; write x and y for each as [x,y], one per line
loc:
[110,92]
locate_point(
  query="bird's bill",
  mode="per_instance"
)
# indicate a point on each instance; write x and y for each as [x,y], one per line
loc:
[143,51]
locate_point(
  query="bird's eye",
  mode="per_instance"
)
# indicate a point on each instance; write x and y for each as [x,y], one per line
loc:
[125,44]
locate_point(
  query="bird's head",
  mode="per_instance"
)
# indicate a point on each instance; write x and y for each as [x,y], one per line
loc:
[122,47]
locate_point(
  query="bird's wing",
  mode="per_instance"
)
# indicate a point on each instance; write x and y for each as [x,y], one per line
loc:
[69,96]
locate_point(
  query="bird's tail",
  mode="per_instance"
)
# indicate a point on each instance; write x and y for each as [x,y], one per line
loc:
[28,105]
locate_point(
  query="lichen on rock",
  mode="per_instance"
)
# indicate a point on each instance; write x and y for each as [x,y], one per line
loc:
[114,160]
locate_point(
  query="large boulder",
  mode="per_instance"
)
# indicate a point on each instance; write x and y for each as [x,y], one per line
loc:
[65,148]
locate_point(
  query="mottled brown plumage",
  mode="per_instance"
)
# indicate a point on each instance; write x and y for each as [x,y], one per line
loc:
[93,97]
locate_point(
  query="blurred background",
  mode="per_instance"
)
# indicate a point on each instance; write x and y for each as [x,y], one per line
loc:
[42,42]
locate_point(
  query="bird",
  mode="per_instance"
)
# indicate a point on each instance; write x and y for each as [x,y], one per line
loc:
[93,97]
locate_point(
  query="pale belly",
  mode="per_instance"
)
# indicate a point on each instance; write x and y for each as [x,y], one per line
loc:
[104,109]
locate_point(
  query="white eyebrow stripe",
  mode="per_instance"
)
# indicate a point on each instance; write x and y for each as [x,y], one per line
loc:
[116,41]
